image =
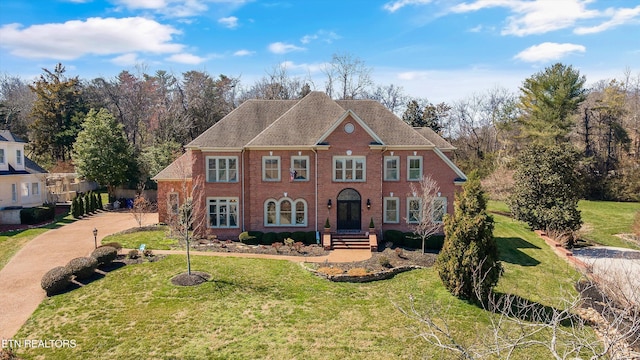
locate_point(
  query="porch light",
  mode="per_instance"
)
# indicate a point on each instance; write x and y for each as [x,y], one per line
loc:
[368,204]
[329,204]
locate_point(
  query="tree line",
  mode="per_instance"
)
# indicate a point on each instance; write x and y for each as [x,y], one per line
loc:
[161,112]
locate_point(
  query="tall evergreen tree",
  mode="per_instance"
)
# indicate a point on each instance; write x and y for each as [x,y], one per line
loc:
[57,114]
[549,99]
[468,263]
[102,152]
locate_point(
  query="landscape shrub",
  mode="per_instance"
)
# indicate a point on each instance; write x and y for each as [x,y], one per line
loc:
[310,238]
[56,280]
[289,242]
[147,253]
[434,242]
[133,254]
[298,236]
[245,238]
[269,238]
[257,235]
[104,254]
[115,245]
[384,261]
[36,215]
[412,240]
[83,267]
[282,236]
[395,236]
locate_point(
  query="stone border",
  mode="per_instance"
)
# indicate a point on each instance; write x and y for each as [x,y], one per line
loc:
[562,252]
[380,275]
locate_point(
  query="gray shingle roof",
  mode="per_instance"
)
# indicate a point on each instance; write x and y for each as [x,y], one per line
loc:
[178,170]
[269,123]
[436,139]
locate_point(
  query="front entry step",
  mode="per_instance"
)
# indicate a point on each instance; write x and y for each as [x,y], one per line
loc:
[350,243]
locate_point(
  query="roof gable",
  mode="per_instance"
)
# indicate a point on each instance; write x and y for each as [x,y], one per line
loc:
[350,114]
[180,169]
[6,135]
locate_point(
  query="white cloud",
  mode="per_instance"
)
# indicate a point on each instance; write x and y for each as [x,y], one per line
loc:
[283,48]
[534,17]
[549,51]
[304,68]
[617,17]
[325,36]
[97,36]
[230,22]
[243,52]
[126,59]
[185,58]
[178,8]
[394,6]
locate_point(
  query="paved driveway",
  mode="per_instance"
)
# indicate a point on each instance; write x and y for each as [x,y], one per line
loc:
[619,267]
[20,291]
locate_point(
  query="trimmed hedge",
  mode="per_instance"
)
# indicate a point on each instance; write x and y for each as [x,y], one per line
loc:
[104,254]
[56,280]
[36,215]
[411,240]
[269,238]
[83,267]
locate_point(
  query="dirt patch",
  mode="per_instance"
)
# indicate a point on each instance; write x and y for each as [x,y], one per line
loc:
[193,279]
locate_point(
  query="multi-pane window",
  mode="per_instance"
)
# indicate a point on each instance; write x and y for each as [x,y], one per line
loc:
[19,157]
[349,168]
[439,209]
[35,189]
[285,212]
[391,168]
[414,210]
[414,167]
[173,203]
[223,212]
[222,169]
[1,156]
[300,168]
[14,192]
[391,210]
[24,189]
[271,168]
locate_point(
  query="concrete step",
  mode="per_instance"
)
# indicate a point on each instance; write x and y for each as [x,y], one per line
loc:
[350,243]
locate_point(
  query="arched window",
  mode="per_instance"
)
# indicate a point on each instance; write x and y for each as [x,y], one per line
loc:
[285,212]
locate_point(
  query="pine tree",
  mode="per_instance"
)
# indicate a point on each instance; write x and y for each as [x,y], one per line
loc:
[81,209]
[468,263]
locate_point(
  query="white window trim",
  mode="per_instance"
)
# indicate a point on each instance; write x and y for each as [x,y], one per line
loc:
[397,160]
[230,200]
[293,212]
[19,157]
[409,158]
[355,159]
[264,168]
[304,157]
[444,200]
[2,157]
[169,204]
[35,188]
[409,199]
[14,193]
[397,201]
[216,158]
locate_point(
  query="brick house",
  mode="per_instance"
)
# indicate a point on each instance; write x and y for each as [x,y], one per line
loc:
[288,165]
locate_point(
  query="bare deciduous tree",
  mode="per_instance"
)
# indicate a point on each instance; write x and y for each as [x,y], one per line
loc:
[347,77]
[429,221]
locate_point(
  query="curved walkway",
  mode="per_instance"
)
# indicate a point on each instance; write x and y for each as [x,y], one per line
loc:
[20,291]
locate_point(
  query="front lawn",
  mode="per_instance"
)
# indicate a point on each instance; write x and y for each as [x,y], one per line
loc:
[154,238]
[253,308]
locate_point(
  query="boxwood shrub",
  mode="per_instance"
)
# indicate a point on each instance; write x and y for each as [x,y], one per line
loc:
[395,236]
[310,238]
[104,254]
[56,280]
[269,238]
[257,236]
[282,236]
[38,214]
[83,267]
[298,236]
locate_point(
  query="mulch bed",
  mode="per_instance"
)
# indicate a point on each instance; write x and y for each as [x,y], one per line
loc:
[395,258]
[196,278]
[238,247]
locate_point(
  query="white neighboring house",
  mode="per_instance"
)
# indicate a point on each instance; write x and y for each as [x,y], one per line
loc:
[22,182]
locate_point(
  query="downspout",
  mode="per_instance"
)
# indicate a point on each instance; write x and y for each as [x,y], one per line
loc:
[242,190]
[315,175]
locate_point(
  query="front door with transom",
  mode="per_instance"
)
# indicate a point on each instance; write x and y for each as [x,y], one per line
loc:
[349,214]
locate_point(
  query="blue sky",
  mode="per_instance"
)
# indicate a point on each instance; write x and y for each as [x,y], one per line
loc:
[439,49]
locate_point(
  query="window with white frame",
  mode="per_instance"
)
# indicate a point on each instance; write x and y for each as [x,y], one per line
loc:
[222,169]
[392,210]
[439,209]
[391,168]
[285,212]
[1,156]
[24,189]
[19,157]
[173,203]
[300,167]
[414,210]
[414,168]
[271,168]
[223,212]
[35,189]
[352,168]
[14,192]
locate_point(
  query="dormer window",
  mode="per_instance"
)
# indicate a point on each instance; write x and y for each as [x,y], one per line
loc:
[19,157]
[1,156]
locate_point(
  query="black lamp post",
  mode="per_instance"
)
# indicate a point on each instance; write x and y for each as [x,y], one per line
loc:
[95,237]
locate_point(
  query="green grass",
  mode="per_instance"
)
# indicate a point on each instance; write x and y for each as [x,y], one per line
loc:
[153,239]
[12,241]
[604,219]
[254,308]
